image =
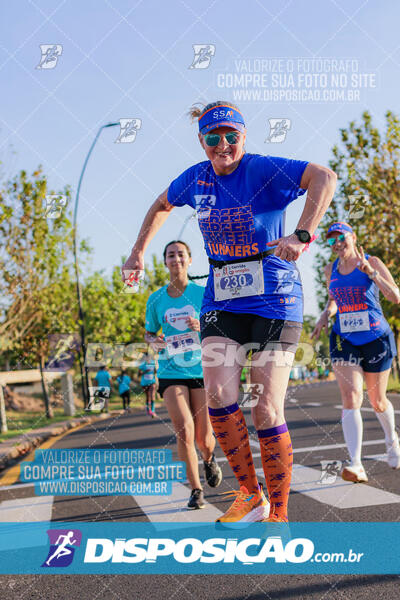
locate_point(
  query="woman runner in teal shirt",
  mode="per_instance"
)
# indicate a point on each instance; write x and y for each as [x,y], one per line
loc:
[175,309]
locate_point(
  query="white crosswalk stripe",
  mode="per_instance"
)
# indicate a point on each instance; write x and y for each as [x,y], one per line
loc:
[173,508]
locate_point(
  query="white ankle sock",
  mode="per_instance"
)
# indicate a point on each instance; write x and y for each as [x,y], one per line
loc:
[352,426]
[386,419]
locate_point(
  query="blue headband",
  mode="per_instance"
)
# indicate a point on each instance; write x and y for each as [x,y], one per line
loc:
[220,116]
[342,227]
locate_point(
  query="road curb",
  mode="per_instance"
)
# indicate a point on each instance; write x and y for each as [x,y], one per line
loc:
[13,449]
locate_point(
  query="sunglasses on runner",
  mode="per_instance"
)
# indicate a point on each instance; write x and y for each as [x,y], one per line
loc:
[213,139]
[340,238]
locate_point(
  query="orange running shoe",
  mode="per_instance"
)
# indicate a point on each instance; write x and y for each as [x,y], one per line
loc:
[246,508]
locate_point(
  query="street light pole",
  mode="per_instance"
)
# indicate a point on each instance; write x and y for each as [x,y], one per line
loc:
[83,368]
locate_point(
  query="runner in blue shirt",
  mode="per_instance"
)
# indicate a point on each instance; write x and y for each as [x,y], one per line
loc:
[148,370]
[175,309]
[253,298]
[103,381]
[124,388]
[362,346]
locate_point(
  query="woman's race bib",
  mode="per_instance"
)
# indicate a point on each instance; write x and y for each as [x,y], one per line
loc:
[354,321]
[238,280]
[183,342]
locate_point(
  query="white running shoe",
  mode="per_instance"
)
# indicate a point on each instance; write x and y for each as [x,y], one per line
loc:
[393,453]
[354,473]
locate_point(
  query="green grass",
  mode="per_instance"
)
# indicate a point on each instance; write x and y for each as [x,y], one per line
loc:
[19,423]
[393,385]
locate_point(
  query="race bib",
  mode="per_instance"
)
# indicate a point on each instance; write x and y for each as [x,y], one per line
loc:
[148,376]
[238,280]
[183,342]
[355,321]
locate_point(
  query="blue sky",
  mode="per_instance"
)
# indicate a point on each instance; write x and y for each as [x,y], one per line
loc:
[123,59]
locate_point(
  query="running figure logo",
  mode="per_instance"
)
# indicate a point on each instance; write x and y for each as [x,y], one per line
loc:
[278,130]
[330,471]
[54,206]
[128,130]
[62,350]
[62,547]
[50,55]
[132,281]
[250,395]
[98,397]
[357,206]
[202,55]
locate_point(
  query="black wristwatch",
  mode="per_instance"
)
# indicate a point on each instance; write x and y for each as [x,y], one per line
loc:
[303,235]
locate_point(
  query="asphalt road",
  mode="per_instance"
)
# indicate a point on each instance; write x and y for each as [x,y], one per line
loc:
[313,415]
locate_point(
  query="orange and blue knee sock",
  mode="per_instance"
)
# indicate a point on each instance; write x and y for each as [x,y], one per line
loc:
[231,432]
[277,462]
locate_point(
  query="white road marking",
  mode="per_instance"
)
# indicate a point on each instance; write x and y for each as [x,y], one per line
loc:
[173,508]
[23,510]
[380,457]
[255,444]
[341,494]
[16,486]
[365,408]
[33,511]
[312,404]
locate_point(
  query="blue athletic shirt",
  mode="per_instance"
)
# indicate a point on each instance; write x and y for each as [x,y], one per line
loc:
[148,370]
[238,214]
[357,293]
[124,382]
[103,378]
[163,311]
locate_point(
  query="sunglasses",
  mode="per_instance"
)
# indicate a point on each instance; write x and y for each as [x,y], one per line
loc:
[213,139]
[340,238]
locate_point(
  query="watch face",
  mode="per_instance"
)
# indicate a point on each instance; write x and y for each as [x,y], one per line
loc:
[303,236]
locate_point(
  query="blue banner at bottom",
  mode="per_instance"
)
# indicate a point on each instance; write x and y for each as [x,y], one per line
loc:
[196,548]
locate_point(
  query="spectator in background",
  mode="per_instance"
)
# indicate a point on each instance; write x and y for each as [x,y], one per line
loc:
[148,369]
[124,383]
[103,380]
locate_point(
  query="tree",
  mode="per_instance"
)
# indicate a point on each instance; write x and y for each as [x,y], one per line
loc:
[367,163]
[113,316]
[36,270]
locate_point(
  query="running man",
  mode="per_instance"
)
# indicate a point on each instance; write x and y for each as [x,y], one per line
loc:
[362,345]
[62,549]
[175,309]
[253,298]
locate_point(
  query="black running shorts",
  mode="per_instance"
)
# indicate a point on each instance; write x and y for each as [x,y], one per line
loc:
[192,384]
[244,328]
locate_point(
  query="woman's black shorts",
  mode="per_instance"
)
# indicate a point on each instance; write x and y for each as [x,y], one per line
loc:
[262,333]
[192,384]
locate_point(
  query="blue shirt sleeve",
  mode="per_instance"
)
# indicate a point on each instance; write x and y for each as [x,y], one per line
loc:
[281,178]
[181,190]
[152,322]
